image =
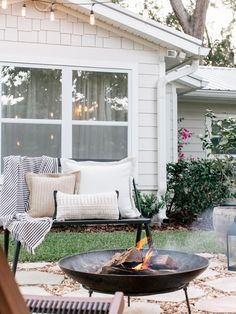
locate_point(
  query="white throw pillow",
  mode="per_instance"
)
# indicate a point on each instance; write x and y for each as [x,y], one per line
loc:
[100,177]
[86,206]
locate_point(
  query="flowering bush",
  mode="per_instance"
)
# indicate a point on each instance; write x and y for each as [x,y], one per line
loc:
[183,136]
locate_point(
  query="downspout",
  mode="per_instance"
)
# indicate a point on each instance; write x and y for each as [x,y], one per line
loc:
[164,79]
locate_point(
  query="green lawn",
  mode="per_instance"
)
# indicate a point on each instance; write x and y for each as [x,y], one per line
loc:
[57,245]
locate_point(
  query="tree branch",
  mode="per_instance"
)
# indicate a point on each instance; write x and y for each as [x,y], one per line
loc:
[181,14]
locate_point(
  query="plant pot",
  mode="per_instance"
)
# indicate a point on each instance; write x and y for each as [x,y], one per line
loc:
[223,217]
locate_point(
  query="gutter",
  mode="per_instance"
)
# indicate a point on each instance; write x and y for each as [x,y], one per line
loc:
[165,78]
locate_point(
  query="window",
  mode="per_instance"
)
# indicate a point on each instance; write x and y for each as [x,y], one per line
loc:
[222,131]
[64,112]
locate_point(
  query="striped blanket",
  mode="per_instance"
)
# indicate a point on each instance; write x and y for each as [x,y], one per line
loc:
[14,200]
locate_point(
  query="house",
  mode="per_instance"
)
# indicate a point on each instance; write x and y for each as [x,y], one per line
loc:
[103,91]
[218,95]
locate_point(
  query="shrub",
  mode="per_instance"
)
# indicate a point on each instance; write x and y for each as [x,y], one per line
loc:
[196,185]
[148,204]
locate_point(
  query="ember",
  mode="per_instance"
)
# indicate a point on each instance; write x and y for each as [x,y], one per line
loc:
[135,261]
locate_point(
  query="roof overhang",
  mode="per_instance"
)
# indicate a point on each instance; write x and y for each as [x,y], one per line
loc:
[204,96]
[157,34]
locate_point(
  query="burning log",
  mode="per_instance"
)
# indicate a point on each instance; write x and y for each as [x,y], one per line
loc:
[131,255]
[132,261]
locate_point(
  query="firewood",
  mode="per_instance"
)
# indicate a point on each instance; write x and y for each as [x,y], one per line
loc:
[129,255]
[163,262]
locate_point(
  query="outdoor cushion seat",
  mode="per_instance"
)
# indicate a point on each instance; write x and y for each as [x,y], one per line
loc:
[141,223]
[12,302]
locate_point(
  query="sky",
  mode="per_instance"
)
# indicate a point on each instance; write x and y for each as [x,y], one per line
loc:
[216,17]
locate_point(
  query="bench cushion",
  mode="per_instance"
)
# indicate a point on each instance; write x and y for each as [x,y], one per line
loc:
[101,177]
[86,206]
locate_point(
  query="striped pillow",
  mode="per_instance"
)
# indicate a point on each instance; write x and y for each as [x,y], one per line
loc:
[41,187]
[86,206]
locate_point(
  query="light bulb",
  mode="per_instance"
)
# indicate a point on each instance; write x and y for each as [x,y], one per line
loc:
[23,10]
[92,18]
[145,11]
[52,15]
[4,4]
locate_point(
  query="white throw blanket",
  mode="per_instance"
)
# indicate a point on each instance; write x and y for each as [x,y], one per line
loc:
[14,200]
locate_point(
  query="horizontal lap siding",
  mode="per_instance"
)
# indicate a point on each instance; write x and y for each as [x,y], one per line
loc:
[194,120]
[148,73]
[71,39]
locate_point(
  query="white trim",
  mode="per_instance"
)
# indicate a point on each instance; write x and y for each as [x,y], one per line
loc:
[175,125]
[30,121]
[66,128]
[101,123]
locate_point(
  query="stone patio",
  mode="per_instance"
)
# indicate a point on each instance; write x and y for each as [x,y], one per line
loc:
[212,292]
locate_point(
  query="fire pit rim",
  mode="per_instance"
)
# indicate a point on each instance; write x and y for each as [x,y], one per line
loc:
[140,275]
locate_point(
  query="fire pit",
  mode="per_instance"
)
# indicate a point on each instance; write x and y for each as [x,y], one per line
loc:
[84,268]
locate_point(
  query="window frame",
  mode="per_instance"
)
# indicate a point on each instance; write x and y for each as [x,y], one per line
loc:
[66,121]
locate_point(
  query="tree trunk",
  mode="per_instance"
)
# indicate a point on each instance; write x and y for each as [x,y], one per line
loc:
[194,24]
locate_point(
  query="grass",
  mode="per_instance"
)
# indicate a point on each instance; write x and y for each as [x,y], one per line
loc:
[59,244]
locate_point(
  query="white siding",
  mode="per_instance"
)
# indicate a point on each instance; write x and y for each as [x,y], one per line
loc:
[194,120]
[70,41]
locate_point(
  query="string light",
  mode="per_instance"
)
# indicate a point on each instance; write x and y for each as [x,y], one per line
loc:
[4,4]
[145,11]
[52,14]
[92,16]
[23,10]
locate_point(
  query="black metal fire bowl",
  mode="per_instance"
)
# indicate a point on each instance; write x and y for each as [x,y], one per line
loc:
[82,268]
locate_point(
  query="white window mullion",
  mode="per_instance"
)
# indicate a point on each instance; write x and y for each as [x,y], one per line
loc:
[66,127]
[0,119]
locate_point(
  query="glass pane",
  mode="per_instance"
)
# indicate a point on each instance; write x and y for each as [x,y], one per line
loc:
[216,140]
[99,142]
[100,96]
[31,140]
[29,93]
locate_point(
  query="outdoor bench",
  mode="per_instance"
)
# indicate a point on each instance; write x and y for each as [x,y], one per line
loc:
[140,223]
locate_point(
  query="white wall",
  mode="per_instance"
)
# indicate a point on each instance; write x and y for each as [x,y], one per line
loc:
[70,41]
[194,120]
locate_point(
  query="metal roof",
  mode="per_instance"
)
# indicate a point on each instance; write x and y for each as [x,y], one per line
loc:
[219,78]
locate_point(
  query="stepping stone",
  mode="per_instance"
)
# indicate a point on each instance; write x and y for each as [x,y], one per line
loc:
[208,273]
[206,255]
[216,264]
[33,265]
[33,290]
[176,296]
[38,277]
[142,308]
[217,305]
[223,284]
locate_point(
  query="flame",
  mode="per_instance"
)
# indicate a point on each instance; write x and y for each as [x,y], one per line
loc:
[146,260]
[147,257]
[140,243]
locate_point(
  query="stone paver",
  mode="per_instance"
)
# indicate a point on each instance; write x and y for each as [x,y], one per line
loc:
[38,277]
[33,265]
[33,290]
[208,273]
[227,284]
[218,305]
[177,296]
[142,308]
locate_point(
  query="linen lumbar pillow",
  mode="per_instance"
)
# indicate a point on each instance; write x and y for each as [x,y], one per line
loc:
[41,187]
[100,177]
[86,206]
